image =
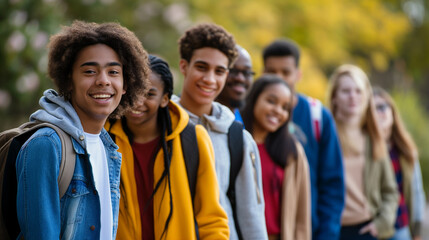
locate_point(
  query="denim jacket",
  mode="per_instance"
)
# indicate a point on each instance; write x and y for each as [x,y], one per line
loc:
[41,213]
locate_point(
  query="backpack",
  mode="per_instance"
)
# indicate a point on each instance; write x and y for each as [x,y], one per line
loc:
[316,117]
[235,145]
[191,156]
[188,138]
[11,142]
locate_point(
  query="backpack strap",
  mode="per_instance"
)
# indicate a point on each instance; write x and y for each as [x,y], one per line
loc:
[191,156]
[68,161]
[188,138]
[316,117]
[235,145]
[68,156]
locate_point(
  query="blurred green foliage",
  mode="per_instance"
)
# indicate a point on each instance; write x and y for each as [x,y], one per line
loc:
[387,38]
[416,120]
[25,27]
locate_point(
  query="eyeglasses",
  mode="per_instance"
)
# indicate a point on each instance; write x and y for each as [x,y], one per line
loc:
[246,73]
[382,107]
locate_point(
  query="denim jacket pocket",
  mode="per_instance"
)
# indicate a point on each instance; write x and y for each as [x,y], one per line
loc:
[73,202]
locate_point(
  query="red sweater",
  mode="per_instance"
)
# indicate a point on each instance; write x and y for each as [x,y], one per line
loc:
[143,173]
[272,179]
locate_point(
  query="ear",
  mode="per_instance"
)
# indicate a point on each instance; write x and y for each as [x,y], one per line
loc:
[183,65]
[164,100]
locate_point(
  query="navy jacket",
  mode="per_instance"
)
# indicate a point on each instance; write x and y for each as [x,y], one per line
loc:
[326,171]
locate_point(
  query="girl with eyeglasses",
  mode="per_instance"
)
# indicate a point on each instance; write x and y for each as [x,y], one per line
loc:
[371,191]
[404,155]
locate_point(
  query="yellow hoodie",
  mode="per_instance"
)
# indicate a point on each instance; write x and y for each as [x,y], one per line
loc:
[211,218]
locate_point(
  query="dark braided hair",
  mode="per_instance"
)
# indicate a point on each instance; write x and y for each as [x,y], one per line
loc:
[160,67]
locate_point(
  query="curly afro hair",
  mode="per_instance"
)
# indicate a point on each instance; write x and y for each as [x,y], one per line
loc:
[207,35]
[65,46]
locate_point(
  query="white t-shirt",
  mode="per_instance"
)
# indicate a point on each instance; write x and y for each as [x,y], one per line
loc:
[100,170]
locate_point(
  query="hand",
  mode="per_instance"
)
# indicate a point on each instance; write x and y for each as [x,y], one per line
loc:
[417,238]
[370,227]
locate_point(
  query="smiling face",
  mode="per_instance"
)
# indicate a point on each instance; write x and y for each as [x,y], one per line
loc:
[271,109]
[349,99]
[238,81]
[205,77]
[146,109]
[97,84]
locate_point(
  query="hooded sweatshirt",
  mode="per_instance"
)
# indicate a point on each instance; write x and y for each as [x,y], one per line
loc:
[211,218]
[248,186]
[37,169]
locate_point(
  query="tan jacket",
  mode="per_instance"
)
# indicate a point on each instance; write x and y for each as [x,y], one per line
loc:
[296,206]
[381,192]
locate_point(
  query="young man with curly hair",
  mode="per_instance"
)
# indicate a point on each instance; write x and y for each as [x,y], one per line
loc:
[99,70]
[207,51]
[319,139]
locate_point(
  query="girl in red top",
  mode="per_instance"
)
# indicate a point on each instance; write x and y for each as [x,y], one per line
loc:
[285,175]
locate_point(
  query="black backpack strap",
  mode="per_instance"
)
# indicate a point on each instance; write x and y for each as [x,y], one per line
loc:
[191,156]
[235,145]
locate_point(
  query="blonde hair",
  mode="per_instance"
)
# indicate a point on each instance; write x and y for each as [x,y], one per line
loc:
[368,120]
[400,137]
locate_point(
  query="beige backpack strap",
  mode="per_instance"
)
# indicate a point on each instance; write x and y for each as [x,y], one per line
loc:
[68,161]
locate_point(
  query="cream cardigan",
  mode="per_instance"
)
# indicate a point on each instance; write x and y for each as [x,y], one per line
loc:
[296,206]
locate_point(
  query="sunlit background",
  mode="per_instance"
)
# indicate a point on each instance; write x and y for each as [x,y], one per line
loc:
[388,39]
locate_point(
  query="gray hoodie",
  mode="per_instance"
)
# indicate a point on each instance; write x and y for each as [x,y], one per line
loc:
[248,186]
[61,113]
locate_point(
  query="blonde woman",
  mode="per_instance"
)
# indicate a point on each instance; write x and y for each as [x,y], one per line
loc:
[405,162]
[371,191]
